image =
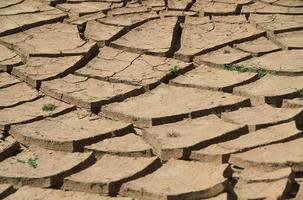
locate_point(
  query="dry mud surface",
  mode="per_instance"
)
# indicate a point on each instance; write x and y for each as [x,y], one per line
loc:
[151,99]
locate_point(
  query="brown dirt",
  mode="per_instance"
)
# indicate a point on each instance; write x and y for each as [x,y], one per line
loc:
[108,174]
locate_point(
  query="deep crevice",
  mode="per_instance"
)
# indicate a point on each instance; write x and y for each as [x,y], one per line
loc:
[176,40]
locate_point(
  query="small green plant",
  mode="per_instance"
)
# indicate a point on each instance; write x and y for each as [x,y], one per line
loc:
[31,162]
[300,91]
[174,70]
[261,72]
[85,38]
[247,68]
[49,107]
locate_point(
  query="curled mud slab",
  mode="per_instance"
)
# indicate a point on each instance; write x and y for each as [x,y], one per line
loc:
[172,105]
[31,111]
[253,181]
[29,193]
[82,91]
[221,152]
[290,154]
[108,174]
[277,23]
[68,132]
[259,46]
[271,89]
[254,175]
[17,94]
[291,40]
[160,33]
[263,116]
[121,146]
[131,68]
[176,140]
[281,62]
[271,190]
[221,57]
[176,180]
[201,35]
[39,69]
[205,77]
[20,15]
[49,40]
[45,170]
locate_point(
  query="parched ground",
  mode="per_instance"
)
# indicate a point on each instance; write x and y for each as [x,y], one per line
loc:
[151,99]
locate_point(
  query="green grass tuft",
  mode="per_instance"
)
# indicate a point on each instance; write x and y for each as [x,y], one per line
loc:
[300,91]
[49,107]
[242,68]
[174,70]
[31,162]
